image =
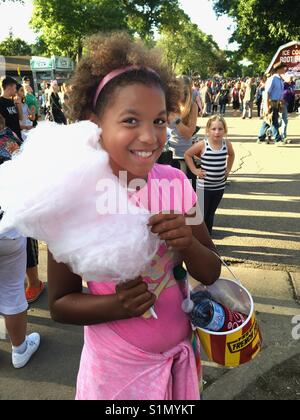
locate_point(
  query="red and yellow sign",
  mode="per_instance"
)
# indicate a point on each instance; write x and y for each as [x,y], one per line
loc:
[288,54]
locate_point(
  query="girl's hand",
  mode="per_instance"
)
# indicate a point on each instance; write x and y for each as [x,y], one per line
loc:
[200,173]
[227,173]
[135,298]
[172,228]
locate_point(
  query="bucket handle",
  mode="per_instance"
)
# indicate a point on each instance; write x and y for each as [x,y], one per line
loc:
[187,305]
[229,269]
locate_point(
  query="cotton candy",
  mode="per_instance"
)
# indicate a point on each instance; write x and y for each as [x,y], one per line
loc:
[56,190]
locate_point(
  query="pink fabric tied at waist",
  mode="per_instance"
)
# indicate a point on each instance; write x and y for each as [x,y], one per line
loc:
[112,369]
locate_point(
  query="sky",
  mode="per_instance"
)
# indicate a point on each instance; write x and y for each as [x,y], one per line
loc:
[201,12]
[16,17]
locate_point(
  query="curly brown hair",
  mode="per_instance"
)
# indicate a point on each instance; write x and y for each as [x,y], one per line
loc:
[105,53]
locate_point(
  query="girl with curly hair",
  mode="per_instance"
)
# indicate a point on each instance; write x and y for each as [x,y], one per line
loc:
[132,350]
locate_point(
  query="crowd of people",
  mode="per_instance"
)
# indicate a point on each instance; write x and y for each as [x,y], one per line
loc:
[244,95]
[216,95]
[53,99]
[160,140]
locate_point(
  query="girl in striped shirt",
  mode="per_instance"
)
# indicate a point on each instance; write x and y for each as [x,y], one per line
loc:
[217,156]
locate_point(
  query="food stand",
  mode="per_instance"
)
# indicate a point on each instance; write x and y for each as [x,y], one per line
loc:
[55,68]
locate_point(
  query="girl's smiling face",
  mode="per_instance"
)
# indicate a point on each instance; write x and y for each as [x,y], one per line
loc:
[134,129]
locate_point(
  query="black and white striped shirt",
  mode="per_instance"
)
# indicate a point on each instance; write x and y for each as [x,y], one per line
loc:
[214,163]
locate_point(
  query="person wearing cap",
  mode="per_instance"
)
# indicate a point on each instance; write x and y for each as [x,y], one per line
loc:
[273,101]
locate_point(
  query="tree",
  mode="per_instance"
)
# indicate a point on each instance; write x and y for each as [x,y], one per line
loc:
[262,25]
[144,17]
[64,24]
[39,48]
[188,50]
[14,46]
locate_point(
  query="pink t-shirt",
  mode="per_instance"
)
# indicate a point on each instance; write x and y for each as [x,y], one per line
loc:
[167,189]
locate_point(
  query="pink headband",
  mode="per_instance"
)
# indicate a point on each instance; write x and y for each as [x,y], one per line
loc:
[112,75]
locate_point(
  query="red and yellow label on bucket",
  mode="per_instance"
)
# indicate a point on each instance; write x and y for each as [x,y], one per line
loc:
[232,348]
[236,347]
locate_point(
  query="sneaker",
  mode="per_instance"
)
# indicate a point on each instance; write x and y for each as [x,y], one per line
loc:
[33,343]
[260,141]
[33,293]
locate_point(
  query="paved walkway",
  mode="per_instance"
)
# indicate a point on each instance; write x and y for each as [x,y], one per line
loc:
[258,232]
[259,217]
[276,308]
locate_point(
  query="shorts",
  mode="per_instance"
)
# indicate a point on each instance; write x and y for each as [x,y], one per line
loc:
[32,253]
[12,275]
